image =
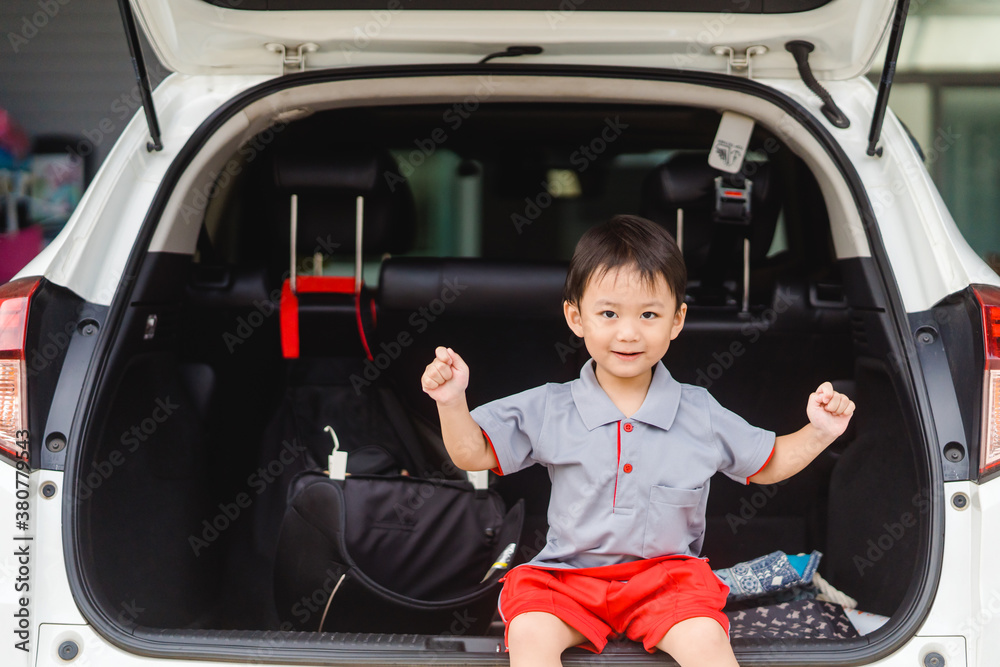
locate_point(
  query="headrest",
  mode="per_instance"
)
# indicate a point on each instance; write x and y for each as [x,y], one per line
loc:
[328,183]
[473,287]
[687,181]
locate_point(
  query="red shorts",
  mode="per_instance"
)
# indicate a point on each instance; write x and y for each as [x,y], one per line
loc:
[642,599]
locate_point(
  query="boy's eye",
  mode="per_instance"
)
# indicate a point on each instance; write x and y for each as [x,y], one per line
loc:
[608,314]
[648,315]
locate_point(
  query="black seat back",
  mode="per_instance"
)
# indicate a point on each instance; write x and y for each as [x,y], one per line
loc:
[504,318]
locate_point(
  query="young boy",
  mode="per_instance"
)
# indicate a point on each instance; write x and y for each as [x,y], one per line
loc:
[630,452]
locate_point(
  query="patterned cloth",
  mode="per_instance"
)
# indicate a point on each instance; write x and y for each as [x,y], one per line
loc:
[769,575]
[801,619]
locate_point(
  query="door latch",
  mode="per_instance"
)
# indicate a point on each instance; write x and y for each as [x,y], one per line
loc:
[294,59]
[740,61]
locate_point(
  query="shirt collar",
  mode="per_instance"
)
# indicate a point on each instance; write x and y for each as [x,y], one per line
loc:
[596,409]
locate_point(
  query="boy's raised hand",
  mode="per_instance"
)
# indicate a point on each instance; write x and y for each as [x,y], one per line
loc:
[829,411]
[446,378]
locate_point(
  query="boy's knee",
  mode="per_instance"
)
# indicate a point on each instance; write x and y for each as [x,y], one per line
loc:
[518,631]
[525,631]
[540,631]
[699,631]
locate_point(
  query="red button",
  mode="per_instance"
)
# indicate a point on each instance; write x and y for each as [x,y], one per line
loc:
[627,467]
[628,429]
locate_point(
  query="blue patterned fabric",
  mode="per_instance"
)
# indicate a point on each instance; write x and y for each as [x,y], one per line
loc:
[768,575]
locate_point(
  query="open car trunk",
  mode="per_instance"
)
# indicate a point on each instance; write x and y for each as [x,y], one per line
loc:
[208,410]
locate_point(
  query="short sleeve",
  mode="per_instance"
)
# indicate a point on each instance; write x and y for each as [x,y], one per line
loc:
[512,426]
[745,449]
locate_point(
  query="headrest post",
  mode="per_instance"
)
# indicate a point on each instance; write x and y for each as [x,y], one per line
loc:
[358,239]
[680,230]
[294,215]
[746,275]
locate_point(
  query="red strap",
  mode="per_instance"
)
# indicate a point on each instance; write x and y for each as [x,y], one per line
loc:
[361,326]
[324,285]
[289,322]
[315,285]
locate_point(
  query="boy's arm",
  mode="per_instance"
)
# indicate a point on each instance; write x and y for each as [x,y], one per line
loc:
[445,380]
[829,413]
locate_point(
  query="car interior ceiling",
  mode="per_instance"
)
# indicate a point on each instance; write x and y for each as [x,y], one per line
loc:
[234,400]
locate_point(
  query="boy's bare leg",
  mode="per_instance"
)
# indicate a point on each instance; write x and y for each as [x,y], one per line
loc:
[698,642]
[537,638]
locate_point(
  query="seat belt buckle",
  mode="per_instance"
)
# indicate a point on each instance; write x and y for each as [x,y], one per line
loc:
[732,202]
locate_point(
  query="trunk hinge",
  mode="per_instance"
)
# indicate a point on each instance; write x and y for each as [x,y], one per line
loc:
[293,59]
[888,70]
[141,75]
[742,62]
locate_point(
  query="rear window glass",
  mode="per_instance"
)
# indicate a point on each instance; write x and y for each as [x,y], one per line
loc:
[506,183]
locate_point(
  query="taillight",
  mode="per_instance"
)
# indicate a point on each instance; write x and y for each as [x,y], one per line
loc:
[989,451]
[14,298]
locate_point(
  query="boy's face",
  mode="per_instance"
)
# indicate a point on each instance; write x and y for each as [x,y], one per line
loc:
[626,324]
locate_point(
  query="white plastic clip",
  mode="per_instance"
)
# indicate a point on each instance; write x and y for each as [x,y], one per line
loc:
[337,460]
[480,479]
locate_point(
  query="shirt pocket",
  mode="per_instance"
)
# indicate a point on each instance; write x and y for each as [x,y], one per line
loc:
[674,521]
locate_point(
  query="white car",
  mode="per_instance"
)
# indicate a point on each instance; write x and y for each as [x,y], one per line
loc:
[324,191]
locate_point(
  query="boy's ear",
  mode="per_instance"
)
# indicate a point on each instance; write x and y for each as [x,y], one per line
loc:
[679,316]
[573,318]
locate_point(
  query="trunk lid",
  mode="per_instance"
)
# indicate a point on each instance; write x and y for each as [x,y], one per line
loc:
[278,36]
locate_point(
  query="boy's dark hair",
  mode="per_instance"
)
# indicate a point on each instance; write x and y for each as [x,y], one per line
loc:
[626,240]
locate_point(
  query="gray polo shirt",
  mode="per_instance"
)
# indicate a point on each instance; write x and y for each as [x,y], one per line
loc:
[622,488]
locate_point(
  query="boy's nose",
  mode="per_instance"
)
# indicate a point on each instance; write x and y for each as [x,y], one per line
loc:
[627,333]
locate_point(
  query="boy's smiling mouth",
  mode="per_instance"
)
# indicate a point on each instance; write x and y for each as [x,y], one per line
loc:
[626,355]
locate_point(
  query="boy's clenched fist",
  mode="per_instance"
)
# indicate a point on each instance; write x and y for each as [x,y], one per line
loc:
[446,378]
[829,411]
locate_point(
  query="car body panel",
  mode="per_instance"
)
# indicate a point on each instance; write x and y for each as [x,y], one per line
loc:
[95,651]
[194,37]
[11,589]
[945,629]
[984,622]
[913,653]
